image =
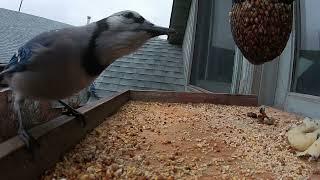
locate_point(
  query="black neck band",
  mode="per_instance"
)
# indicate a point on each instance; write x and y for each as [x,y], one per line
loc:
[90,60]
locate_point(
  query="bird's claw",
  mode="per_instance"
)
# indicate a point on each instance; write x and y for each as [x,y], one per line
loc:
[77,114]
[30,142]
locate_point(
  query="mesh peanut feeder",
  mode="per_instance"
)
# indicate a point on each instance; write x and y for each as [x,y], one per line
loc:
[261,28]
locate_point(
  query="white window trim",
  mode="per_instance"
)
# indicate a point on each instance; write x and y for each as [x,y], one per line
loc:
[246,76]
[237,70]
[306,105]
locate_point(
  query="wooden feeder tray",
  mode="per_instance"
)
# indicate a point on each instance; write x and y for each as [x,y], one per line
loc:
[60,136]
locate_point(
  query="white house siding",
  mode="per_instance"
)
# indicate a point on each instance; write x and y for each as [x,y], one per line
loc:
[188,43]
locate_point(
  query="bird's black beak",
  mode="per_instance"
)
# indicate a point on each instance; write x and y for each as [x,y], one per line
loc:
[157,30]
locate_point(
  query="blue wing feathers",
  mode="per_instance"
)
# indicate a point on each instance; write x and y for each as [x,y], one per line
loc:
[93,90]
[23,56]
[19,60]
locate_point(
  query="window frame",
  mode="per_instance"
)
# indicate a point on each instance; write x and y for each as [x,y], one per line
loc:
[200,52]
[285,98]
[297,43]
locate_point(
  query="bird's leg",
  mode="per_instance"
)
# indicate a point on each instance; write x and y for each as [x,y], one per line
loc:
[73,112]
[29,141]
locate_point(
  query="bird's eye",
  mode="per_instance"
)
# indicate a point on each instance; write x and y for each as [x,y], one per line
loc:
[139,20]
[128,15]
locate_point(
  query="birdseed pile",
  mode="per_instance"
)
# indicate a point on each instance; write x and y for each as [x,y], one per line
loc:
[185,141]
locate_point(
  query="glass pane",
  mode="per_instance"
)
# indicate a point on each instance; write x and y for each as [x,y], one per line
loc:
[307,63]
[212,67]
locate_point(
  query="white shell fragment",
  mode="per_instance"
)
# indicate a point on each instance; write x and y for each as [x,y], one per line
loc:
[313,151]
[304,138]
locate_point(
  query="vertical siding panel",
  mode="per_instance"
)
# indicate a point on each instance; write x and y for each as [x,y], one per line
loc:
[188,43]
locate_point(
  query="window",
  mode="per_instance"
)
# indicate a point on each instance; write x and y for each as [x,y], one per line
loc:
[306,77]
[213,61]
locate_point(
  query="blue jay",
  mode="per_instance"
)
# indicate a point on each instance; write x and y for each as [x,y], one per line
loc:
[57,64]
